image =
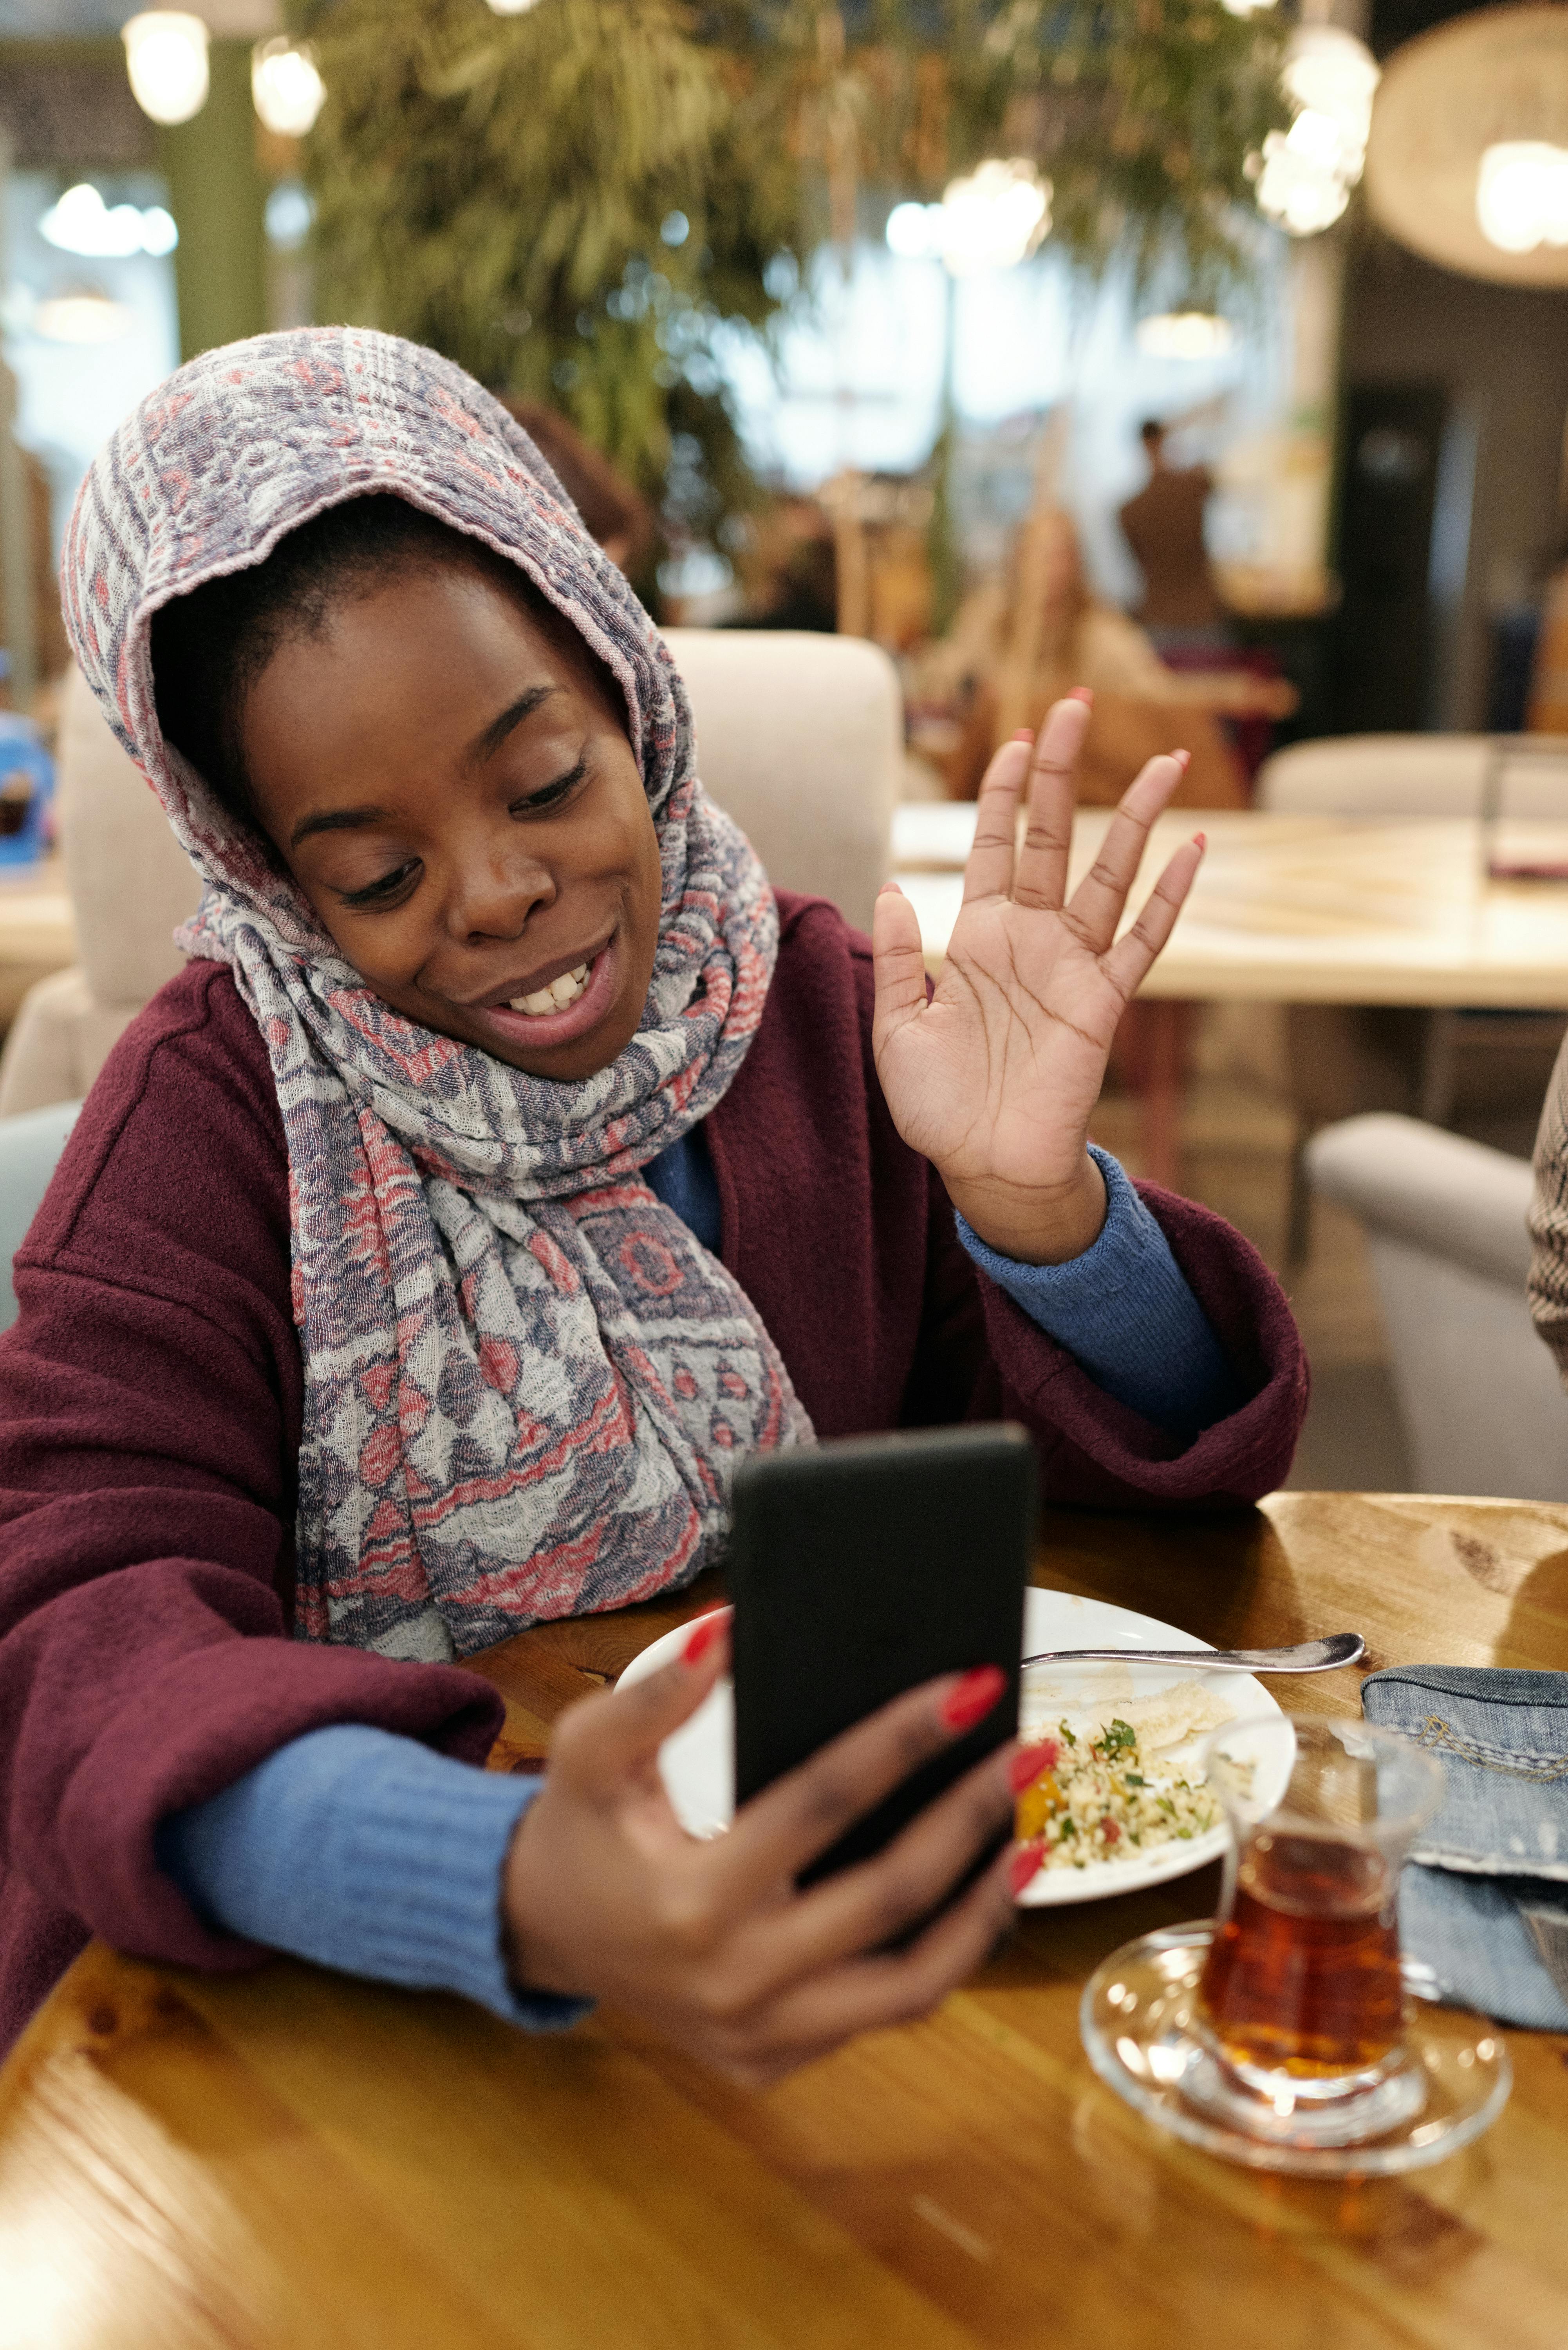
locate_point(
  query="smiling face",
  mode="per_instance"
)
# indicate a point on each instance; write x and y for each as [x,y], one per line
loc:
[452,789]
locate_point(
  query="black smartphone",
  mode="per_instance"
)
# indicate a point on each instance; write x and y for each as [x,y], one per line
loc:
[860,1568]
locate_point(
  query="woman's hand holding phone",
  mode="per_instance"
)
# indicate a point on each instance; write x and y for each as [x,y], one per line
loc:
[994,1079]
[605,1893]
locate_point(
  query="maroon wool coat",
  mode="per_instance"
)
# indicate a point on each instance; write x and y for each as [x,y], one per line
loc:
[150,1399]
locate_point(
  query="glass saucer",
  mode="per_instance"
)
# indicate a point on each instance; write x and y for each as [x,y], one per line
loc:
[1136,2023]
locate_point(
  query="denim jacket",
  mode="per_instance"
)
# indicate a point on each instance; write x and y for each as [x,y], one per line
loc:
[1485,1904]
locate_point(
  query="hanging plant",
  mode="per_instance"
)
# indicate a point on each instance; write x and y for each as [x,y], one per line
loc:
[577,201]
[567,201]
[1148,117]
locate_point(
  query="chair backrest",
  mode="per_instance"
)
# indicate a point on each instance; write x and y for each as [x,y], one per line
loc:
[1378,774]
[800,737]
[1479,1394]
[30,1146]
[130,880]
[1416,775]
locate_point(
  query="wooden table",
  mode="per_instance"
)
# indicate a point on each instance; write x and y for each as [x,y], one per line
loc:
[289,2160]
[1304,909]
[1298,910]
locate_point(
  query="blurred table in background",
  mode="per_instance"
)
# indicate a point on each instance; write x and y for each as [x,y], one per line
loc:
[1297,909]
[291,2160]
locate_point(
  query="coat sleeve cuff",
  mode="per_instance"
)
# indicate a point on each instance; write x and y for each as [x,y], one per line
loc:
[1098,1452]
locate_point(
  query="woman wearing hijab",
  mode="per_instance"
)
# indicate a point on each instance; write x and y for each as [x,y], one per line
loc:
[507,1162]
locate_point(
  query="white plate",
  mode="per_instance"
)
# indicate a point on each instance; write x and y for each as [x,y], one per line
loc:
[698,1762]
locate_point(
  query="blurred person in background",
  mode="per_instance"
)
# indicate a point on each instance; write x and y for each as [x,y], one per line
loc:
[789,569]
[1163,526]
[1022,641]
[613,512]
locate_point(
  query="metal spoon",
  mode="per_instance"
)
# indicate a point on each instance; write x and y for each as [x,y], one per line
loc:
[1307,1657]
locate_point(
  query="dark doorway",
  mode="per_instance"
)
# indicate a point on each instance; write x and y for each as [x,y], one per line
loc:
[1381,639]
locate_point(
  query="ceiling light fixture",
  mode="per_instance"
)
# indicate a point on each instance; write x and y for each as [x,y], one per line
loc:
[1306,173]
[82,222]
[166,59]
[1185,335]
[1522,194]
[287,89]
[994,219]
[1468,162]
[83,317]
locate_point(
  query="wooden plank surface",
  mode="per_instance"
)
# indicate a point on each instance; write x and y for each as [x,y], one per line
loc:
[1306,910]
[288,2158]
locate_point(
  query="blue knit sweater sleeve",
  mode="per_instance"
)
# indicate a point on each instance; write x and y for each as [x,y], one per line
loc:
[1123,1310]
[364,1851]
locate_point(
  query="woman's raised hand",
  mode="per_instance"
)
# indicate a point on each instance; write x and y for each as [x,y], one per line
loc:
[996,1077]
[605,1893]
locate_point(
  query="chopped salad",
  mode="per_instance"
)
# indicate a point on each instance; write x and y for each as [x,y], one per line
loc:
[1098,1799]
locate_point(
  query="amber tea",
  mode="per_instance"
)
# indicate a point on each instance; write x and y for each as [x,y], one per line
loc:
[1297,2030]
[1303,1977]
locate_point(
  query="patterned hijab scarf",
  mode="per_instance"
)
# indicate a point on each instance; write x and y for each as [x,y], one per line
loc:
[525,1380]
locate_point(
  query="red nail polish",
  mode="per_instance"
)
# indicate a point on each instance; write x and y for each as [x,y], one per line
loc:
[1082,693]
[703,1635]
[972,1699]
[1025,1861]
[1031,1761]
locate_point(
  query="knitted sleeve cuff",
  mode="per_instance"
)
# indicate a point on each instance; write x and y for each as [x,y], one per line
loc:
[1125,1310]
[366,1852]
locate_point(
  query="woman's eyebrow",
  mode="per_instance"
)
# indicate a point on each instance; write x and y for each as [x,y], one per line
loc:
[333,820]
[485,746]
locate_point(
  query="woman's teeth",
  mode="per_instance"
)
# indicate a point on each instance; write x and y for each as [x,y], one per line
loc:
[557,996]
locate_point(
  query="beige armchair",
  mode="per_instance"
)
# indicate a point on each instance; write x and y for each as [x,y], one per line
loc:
[130,883]
[1478,1393]
[801,737]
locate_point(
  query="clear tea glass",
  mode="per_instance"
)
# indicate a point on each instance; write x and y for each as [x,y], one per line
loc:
[1301,2008]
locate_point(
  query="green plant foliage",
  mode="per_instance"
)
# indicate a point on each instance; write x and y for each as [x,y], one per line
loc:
[1147,116]
[497,187]
[574,200]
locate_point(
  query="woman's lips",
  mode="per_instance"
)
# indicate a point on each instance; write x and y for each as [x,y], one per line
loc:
[538,1030]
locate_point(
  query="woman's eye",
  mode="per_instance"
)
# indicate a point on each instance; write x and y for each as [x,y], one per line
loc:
[376,893]
[552,795]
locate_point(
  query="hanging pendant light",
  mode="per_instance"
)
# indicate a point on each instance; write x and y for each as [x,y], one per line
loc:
[1185,335]
[84,313]
[993,219]
[1468,163]
[1305,174]
[166,59]
[287,89]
